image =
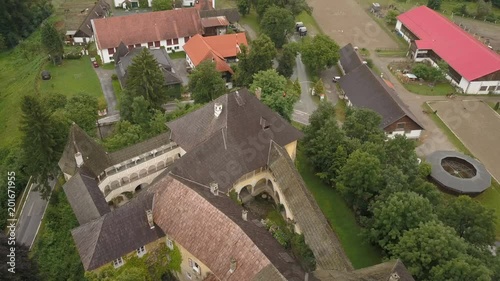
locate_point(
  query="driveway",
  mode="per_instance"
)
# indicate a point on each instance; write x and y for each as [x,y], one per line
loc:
[31,216]
[107,88]
[179,66]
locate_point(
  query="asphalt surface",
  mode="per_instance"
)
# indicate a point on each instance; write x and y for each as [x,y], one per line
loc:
[31,217]
[104,76]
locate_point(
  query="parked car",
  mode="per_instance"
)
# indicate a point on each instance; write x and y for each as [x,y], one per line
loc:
[94,62]
[336,79]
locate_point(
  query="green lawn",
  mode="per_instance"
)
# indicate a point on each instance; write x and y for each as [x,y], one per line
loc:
[424,89]
[489,198]
[109,66]
[252,21]
[18,78]
[312,26]
[118,90]
[340,218]
[340,110]
[72,77]
[177,55]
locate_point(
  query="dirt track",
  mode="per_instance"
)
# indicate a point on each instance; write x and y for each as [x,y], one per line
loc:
[347,22]
[482,30]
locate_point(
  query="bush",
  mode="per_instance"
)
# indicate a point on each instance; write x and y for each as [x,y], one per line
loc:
[114,77]
[369,62]
[461,10]
[303,253]
[73,56]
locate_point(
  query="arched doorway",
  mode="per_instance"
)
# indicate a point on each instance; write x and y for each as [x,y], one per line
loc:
[246,194]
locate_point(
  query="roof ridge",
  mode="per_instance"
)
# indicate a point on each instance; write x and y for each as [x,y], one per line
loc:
[101,221]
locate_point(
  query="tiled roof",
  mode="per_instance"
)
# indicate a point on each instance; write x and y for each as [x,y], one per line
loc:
[232,15]
[318,234]
[378,272]
[146,27]
[460,50]
[223,148]
[212,229]
[216,48]
[349,58]
[214,21]
[85,197]
[100,9]
[365,89]
[116,233]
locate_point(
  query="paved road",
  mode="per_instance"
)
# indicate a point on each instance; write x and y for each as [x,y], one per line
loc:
[31,217]
[104,76]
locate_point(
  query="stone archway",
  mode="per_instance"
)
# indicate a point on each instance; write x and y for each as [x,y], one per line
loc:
[246,194]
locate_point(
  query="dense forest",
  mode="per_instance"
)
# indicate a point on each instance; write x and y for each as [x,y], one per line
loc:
[19,18]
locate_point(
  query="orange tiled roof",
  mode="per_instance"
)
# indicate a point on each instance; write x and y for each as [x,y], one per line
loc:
[217,48]
[146,27]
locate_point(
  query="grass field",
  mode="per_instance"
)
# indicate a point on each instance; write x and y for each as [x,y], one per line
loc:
[313,27]
[72,77]
[340,217]
[440,89]
[18,79]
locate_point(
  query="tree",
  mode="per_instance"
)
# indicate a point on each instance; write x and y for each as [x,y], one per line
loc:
[125,134]
[286,62]
[401,212]
[206,83]
[274,92]
[427,246]
[471,220]
[318,119]
[428,72]
[461,268]
[146,79]
[3,44]
[319,87]
[38,142]
[25,268]
[434,4]
[364,124]
[54,101]
[496,3]
[82,109]
[161,5]
[277,23]
[483,9]
[360,180]
[260,57]
[262,6]
[52,42]
[319,53]
[243,7]
[391,17]
[400,152]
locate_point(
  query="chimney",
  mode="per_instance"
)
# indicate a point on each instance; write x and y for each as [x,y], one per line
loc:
[149,214]
[233,265]
[217,109]
[394,277]
[214,188]
[258,93]
[244,214]
[79,159]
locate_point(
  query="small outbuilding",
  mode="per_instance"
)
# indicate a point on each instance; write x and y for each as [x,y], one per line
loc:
[46,75]
[459,173]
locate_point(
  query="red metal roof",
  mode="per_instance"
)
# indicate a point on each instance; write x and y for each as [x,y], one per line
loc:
[466,55]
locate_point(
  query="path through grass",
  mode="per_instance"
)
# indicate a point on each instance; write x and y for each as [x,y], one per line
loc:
[340,217]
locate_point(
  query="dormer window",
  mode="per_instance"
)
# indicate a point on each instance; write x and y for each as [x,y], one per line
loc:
[141,251]
[118,262]
[264,124]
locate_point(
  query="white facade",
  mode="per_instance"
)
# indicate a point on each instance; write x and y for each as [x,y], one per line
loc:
[413,134]
[188,3]
[467,87]
[189,62]
[134,3]
[107,55]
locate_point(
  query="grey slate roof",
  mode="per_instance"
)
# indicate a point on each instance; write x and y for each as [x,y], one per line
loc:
[161,56]
[212,229]
[349,58]
[475,185]
[318,234]
[223,149]
[100,10]
[116,233]
[96,159]
[85,197]
[365,89]
[232,14]
[379,272]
